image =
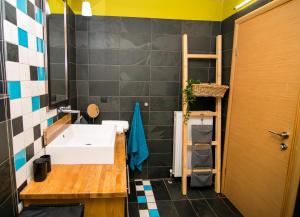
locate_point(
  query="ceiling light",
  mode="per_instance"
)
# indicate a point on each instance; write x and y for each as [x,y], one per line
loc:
[243,3]
[86,9]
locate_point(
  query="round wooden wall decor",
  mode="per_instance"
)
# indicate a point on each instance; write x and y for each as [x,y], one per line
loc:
[93,110]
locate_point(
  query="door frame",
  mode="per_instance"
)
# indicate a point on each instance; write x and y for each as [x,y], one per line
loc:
[293,173]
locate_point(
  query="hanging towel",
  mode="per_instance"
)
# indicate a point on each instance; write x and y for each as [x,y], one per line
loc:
[137,145]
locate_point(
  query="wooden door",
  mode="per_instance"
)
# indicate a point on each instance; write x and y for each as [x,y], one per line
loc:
[265,88]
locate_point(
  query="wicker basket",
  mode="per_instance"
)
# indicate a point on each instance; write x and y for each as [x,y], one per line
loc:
[209,90]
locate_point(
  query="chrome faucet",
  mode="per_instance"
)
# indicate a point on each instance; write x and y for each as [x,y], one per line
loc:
[68,110]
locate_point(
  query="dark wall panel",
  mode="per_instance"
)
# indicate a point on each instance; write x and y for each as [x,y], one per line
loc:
[121,61]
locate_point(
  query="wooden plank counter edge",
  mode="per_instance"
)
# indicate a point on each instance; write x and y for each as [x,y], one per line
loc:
[83,181]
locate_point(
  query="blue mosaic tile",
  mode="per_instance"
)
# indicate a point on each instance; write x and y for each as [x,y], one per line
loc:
[147,187]
[38,15]
[153,213]
[50,121]
[20,159]
[23,37]
[14,89]
[142,199]
[22,5]
[41,73]
[35,101]
[39,45]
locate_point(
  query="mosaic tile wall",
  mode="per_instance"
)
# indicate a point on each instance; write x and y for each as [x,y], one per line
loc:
[26,83]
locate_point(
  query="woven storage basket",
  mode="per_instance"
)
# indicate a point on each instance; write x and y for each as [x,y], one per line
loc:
[209,90]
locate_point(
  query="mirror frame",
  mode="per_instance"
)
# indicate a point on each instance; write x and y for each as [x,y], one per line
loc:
[47,59]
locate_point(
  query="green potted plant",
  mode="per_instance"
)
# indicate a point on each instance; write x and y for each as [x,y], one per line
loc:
[189,97]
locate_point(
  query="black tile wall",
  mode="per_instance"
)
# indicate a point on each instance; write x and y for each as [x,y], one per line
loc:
[121,61]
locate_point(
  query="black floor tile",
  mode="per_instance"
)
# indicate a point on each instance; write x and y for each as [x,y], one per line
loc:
[194,193]
[132,196]
[184,208]
[160,190]
[174,190]
[209,193]
[166,209]
[202,208]
[220,208]
[232,207]
[133,209]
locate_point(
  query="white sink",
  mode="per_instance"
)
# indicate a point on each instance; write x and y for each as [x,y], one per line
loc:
[122,126]
[84,144]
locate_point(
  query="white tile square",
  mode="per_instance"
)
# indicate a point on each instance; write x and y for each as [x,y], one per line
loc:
[28,137]
[23,20]
[24,71]
[30,169]
[44,125]
[33,58]
[150,199]
[38,146]
[149,193]
[27,121]
[139,188]
[147,182]
[31,25]
[21,176]
[144,213]
[12,71]
[39,30]
[18,142]
[26,102]
[41,87]
[26,89]
[10,32]
[15,108]
[31,42]
[43,114]
[151,205]
[23,55]
[40,59]
[36,118]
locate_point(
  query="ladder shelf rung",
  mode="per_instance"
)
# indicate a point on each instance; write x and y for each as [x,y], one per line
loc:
[203,113]
[214,143]
[189,171]
[202,56]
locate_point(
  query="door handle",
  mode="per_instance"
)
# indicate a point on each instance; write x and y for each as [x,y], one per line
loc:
[283,135]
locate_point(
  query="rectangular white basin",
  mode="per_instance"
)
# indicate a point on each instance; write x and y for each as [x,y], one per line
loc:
[84,144]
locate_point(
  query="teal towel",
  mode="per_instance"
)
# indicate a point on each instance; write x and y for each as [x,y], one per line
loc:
[137,146]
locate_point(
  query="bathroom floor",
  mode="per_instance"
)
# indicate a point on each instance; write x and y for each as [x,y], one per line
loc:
[159,198]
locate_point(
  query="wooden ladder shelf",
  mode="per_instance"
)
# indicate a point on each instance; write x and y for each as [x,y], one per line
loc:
[217,113]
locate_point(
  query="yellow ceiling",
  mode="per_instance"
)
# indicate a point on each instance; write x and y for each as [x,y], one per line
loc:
[213,10]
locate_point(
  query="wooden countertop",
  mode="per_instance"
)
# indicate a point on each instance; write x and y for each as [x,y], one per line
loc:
[83,181]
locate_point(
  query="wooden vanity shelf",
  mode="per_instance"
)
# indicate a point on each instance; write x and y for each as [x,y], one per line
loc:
[102,188]
[51,132]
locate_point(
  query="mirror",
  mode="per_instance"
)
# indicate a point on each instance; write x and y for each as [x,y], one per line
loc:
[57,53]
